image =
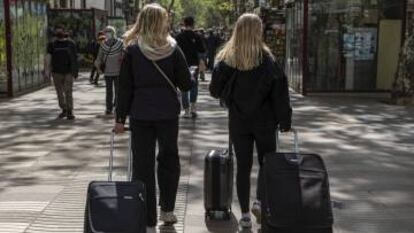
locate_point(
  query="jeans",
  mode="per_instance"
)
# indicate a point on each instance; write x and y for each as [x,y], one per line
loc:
[145,134]
[244,135]
[192,95]
[64,89]
[112,82]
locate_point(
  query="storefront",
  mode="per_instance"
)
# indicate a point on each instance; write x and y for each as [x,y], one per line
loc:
[22,45]
[337,46]
[274,22]
[83,26]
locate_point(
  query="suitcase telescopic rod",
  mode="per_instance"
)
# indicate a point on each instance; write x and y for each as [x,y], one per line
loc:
[295,141]
[111,156]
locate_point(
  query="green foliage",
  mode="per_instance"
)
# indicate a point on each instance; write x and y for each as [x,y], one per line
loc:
[207,13]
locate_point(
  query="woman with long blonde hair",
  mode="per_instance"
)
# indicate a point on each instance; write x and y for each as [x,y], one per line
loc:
[254,88]
[152,69]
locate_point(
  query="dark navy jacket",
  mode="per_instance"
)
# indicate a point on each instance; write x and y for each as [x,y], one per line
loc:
[144,94]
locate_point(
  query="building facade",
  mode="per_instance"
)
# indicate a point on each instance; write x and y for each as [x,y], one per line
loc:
[23,30]
[345,46]
[115,8]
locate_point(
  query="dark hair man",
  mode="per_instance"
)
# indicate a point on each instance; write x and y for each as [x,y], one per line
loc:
[192,45]
[61,63]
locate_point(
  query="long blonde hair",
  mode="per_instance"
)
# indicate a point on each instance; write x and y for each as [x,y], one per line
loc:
[245,49]
[151,26]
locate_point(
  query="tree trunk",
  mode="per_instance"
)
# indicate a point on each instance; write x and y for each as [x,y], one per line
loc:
[171,6]
[171,13]
[402,92]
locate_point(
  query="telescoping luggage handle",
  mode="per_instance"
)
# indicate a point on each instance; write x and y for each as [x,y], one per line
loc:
[295,141]
[111,156]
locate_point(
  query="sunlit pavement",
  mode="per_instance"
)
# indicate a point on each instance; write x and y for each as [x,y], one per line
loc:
[46,164]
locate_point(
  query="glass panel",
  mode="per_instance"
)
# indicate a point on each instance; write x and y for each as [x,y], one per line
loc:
[79,23]
[3,54]
[28,25]
[17,44]
[294,45]
[343,42]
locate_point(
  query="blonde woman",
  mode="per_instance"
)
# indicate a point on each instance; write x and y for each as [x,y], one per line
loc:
[255,90]
[153,67]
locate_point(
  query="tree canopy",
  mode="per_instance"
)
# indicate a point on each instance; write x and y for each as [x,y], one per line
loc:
[208,13]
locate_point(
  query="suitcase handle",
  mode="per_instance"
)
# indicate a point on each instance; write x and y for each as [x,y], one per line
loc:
[295,139]
[111,156]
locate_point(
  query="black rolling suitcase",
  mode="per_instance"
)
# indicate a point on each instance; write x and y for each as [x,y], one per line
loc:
[218,184]
[296,193]
[116,206]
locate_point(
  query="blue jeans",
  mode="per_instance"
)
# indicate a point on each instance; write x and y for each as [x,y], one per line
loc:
[191,96]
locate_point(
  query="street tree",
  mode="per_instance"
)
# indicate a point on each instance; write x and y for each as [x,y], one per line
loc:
[403,87]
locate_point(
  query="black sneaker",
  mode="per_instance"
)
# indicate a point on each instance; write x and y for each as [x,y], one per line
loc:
[108,113]
[70,116]
[62,114]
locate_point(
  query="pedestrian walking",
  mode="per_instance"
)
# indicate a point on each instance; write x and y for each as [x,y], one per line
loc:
[213,42]
[152,70]
[108,62]
[62,65]
[203,56]
[255,90]
[192,46]
[94,49]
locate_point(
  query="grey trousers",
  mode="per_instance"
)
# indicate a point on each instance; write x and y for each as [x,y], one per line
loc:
[64,88]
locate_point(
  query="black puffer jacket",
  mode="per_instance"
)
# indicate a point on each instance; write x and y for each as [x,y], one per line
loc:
[144,94]
[259,96]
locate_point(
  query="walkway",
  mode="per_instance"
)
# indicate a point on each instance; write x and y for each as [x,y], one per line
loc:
[46,164]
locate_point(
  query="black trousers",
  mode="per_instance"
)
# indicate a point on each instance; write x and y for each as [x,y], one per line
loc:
[112,82]
[244,135]
[145,134]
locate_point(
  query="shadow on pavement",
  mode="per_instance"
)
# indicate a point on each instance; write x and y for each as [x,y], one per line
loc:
[167,229]
[222,226]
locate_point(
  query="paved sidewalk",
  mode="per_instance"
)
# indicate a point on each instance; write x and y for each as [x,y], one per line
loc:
[46,164]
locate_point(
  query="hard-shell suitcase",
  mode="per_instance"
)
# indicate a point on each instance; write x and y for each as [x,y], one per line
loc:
[116,206]
[296,193]
[218,183]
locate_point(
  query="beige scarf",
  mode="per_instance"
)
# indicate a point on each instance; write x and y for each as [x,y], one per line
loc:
[158,53]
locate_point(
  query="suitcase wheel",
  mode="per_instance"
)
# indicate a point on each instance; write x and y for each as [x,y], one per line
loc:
[227,215]
[207,215]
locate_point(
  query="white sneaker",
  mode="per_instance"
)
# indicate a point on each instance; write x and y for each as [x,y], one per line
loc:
[245,222]
[187,113]
[168,218]
[257,211]
[151,230]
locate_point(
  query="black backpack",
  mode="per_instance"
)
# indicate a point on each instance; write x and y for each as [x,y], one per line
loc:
[61,57]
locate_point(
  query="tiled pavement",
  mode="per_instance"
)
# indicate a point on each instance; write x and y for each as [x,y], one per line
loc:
[45,164]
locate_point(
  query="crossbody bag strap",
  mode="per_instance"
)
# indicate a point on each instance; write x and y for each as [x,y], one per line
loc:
[166,77]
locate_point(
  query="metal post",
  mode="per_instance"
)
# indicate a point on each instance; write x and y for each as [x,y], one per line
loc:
[305,52]
[9,54]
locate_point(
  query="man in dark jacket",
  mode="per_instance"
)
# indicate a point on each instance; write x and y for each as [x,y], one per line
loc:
[192,45]
[94,49]
[62,65]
